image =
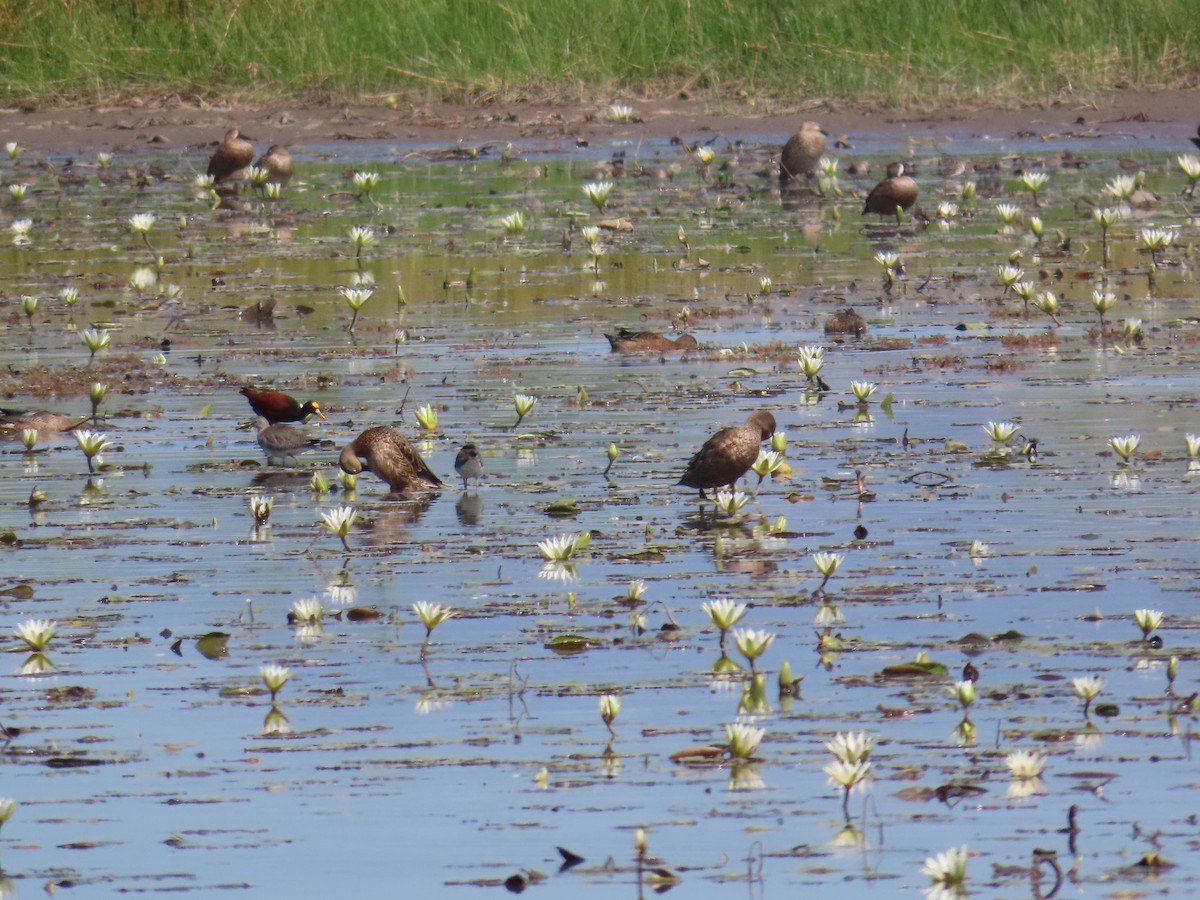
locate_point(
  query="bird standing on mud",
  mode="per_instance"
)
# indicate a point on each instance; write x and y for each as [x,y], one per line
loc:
[729,454]
[393,458]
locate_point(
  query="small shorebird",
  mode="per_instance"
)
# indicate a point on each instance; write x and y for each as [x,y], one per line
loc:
[469,464]
[895,193]
[279,441]
[276,406]
[626,341]
[231,158]
[278,162]
[728,454]
[801,152]
[392,457]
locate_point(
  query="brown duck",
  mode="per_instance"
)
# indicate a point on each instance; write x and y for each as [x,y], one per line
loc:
[847,321]
[12,422]
[276,406]
[278,162]
[896,192]
[626,341]
[728,454]
[801,152]
[392,457]
[231,158]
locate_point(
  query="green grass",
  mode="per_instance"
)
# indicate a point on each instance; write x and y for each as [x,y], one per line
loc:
[914,52]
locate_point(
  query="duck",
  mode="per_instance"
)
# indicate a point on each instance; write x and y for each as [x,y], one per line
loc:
[392,457]
[276,406]
[801,152]
[279,441]
[278,162]
[626,341]
[13,422]
[896,192]
[847,321]
[728,454]
[469,464]
[231,158]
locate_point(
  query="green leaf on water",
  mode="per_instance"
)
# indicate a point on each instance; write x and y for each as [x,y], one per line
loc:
[563,508]
[213,645]
[572,643]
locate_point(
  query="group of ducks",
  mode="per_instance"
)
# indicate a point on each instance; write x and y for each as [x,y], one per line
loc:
[231,161]
[805,148]
[721,462]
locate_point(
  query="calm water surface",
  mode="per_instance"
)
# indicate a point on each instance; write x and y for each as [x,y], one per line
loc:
[141,766]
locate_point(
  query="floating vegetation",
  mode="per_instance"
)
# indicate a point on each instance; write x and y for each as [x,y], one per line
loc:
[997,352]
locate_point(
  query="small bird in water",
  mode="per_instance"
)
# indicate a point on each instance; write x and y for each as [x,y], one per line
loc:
[278,162]
[469,464]
[895,193]
[231,158]
[392,457]
[729,454]
[279,441]
[276,406]
[801,152]
[626,341]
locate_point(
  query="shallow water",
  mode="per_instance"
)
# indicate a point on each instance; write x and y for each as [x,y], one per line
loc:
[426,773]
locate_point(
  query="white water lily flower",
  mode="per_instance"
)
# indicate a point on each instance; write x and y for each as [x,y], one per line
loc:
[827,563]
[307,611]
[847,775]
[949,868]
[752,643]
[1024,764]
[730,502]
[260,508]
[724,613]
[1121,187]
[743,739]
[1148,620]
[559,549]
[36,633]
[1125,446]
[862,390]
[274,677]
[141,223]
[851,747]
[597,192]
[338,521]
[432,614]
[610,706]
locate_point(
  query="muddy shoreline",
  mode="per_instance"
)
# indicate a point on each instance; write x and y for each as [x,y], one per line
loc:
[1160,115]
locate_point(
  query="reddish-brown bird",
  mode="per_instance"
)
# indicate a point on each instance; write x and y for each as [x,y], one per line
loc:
[276,406]
[729,454]
[231,158]
[392,457]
